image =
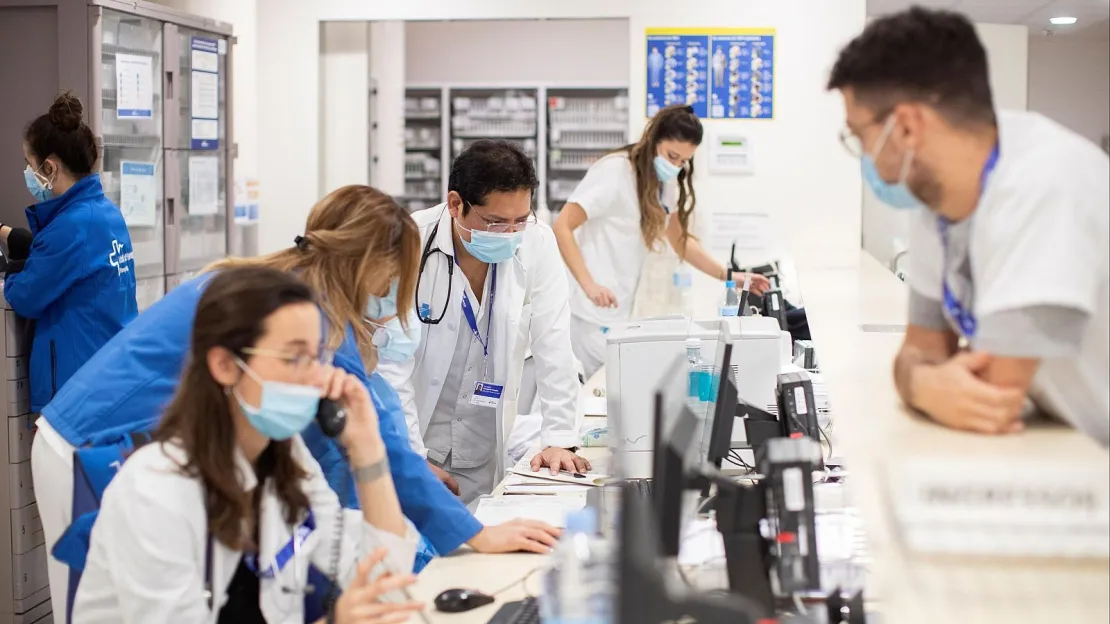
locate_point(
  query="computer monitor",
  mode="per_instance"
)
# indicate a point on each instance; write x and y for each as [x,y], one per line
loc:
[745,298]
[669,474]
[643,595]
[722,408]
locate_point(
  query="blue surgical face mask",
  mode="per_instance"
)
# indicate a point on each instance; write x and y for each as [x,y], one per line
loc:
[489,247]
[381,307]
[666,170]
[41,190]
[286,409]
[896,195]
[394,344]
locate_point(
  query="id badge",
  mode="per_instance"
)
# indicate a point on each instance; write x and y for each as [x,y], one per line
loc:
[486,394]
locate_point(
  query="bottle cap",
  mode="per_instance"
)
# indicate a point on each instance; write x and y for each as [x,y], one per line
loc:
[730,284]
[693,343]
[582,521]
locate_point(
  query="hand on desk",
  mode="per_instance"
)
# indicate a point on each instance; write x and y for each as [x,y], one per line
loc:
[361,602]
[560,459]
[445,477]
[516,536]
[953,394]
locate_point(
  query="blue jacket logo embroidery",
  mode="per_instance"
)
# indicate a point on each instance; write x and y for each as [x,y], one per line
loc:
[119,259]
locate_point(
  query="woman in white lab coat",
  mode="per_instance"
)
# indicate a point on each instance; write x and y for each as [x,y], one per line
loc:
[622,209]
[219,518]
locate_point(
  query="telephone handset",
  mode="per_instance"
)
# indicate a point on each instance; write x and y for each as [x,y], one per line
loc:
[332,417]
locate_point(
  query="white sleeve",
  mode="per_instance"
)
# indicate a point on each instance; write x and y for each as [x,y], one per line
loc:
[926,268]
[400,377]
[356,538]
[1042,247]
[150,546]
[549,334]
[598,192]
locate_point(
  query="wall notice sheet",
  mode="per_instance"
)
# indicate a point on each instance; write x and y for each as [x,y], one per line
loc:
[204,185]
[137,198]
[205,93]
[134,86]
[721,73]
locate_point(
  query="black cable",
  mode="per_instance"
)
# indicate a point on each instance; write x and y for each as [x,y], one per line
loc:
[735,459]
[337,542]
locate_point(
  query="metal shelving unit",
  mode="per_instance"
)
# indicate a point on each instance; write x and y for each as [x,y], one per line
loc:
[424,160]
[582,126]
[577,126]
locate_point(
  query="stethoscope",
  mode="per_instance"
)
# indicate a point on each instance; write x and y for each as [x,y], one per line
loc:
[425,316]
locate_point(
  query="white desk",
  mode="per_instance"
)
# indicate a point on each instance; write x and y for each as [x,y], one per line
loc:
[849,309]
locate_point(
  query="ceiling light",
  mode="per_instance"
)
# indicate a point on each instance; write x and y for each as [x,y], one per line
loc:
[1063,21]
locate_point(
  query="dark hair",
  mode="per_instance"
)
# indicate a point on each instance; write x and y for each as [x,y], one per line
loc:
[673,123]
[920,55]
[232,314]
[491,167]
[62,134]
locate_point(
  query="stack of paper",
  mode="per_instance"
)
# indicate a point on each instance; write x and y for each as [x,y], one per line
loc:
[550,509]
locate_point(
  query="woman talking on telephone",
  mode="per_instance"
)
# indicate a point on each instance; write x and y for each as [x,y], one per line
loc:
[219,518]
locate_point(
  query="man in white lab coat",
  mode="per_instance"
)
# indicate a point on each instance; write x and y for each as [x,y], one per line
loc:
[492,286]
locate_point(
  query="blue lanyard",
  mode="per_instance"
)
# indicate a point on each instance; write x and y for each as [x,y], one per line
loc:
[287,552]
[471,319]
[961,314]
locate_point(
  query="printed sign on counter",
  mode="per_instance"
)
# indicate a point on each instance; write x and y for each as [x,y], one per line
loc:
[134,86]
[722,73]
[137,197]
[205,93]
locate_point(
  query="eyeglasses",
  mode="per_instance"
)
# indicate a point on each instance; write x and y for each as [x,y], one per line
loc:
[299,361]
[852,142]
[503,227]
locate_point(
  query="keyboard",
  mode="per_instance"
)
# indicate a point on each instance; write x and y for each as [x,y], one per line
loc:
[643,487]
[525,611]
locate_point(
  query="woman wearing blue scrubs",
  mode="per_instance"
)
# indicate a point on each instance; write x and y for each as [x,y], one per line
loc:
[357,242]
[73,272]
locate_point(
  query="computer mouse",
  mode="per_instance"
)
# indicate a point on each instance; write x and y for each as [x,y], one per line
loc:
[459,600]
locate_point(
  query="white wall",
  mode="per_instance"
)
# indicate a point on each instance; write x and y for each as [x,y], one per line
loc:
[495,52]
[344,105]
[1007,53]
[1069,81]
[387,71]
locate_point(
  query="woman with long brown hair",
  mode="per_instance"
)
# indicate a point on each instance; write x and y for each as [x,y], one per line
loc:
[357,244]
[197,525]
[625,206]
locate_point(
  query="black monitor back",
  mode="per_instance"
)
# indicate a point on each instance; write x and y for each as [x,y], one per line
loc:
[669,476]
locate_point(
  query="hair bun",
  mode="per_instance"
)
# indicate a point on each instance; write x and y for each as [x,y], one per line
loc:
[66,111]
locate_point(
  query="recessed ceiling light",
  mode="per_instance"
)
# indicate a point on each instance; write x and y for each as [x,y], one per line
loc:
[1063,21]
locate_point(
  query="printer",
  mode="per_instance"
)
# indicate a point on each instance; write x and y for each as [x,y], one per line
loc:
[639,354]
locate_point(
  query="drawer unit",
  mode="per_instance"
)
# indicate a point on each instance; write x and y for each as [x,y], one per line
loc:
[21,489]
[21,432]
[17,335]
[26,529]
[29,574]
[17,367]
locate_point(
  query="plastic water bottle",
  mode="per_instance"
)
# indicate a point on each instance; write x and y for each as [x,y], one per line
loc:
[684,286]
[730,303]
[578,587]
[700,383]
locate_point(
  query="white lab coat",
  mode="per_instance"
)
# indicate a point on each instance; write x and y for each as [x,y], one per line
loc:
[531,313]
[147,558]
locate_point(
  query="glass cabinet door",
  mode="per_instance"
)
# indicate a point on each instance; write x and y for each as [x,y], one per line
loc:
[131,127]
[202,221]
[202,95]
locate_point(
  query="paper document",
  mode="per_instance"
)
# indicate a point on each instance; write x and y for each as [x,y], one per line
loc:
[134,86]
[137,200]
[206,95]
[550,509]
[592,479]
[204,185]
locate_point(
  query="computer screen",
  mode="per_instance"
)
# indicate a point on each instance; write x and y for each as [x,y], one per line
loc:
[722,371]
[671,464]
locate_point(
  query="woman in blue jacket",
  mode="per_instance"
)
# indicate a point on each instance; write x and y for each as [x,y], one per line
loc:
[77,279]
[357,242]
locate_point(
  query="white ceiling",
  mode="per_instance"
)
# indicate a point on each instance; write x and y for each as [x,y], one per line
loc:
[1093,15]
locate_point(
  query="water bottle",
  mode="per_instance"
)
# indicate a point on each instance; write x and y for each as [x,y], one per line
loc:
[684,286]
[730,303]
[578,586]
